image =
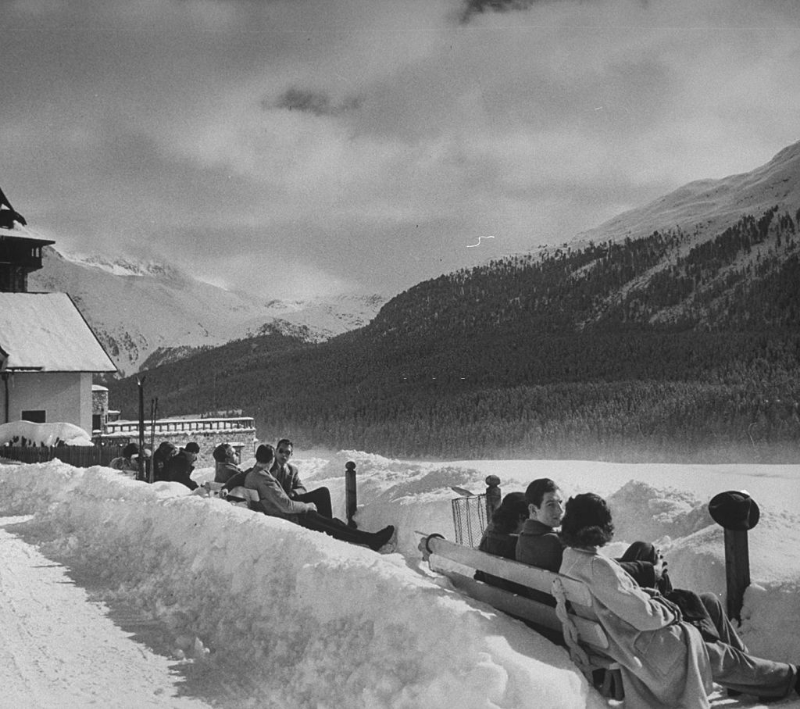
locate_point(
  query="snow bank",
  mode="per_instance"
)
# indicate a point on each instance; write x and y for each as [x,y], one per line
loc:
[45,434]
[336,625]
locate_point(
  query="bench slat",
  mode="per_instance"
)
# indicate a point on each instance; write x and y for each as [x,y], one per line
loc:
[514,571]
[591,631]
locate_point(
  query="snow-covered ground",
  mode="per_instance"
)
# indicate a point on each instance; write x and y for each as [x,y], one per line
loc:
[118,593]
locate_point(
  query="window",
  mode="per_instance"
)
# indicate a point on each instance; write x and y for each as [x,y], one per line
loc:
[34,416]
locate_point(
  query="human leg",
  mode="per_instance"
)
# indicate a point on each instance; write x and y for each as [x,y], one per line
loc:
[745,673]
[321,497]
[339,530]
[727,633]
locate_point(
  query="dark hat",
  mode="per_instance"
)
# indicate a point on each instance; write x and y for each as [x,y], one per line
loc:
[734,510]
[130,450]
[191,447]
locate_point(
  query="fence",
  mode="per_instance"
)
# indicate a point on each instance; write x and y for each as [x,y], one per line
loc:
[78,456]
[471,512]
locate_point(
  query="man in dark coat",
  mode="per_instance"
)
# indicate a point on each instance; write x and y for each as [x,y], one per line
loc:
[178,469]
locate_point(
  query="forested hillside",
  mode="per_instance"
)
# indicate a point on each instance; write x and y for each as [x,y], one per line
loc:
[665,347]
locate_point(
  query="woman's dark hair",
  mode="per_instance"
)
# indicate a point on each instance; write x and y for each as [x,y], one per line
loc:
[512,510]
[265,453]
[587,521]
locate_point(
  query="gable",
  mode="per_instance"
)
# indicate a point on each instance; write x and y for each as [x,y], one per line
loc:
[46,332]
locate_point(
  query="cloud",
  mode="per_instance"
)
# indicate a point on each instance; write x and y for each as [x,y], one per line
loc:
[366,142]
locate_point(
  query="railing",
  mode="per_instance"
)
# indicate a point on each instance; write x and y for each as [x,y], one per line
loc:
[165,427]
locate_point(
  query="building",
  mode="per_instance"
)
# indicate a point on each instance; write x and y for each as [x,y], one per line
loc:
[48,352]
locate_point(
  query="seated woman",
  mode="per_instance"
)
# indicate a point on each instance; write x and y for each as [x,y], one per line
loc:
[665,661]
[500,536]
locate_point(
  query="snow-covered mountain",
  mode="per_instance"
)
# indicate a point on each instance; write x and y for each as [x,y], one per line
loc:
[144,311]
[707,207]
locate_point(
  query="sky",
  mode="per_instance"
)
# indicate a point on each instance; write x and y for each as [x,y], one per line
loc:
[301,148]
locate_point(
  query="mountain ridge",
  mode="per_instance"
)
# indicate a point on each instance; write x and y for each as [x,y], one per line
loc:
[183,314]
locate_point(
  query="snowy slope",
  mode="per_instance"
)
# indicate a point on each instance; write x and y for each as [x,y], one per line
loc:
[138,308]
[710,206]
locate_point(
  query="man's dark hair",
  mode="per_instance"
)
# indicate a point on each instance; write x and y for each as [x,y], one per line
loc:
[538,489]
[285,442]
[587,521]
[265,453]
[130,450]
[221,452]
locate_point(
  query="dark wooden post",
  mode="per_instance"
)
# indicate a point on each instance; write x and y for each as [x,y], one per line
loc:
[493,496]
[737,570]
[737,513]
[351,502]
[140,459]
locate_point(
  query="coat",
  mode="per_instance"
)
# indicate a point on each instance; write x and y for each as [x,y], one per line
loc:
[664,661]
[273,499]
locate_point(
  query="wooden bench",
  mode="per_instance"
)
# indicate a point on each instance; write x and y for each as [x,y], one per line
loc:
[572,617]
[238,493]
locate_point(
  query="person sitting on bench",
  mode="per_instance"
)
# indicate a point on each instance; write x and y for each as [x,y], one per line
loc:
[224,463]
[288,477]
[500,536]
[665,661]
[540,545]
[274,501]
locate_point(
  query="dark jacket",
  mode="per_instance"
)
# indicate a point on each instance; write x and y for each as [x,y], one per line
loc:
[178,469]
[539,545]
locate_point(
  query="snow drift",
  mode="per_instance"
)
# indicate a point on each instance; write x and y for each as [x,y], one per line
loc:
[290,617]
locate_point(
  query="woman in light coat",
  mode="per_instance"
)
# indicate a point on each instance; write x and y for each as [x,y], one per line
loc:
[665,661]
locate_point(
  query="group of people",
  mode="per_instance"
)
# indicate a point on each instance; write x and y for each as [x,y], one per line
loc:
[671,643]
[280,491]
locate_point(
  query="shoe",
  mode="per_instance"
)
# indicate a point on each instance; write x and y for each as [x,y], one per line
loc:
[382,538]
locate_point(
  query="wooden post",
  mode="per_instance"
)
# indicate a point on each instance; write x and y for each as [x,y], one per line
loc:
[493,496]
[737,513]
[737,570]
[140,459]
[351,502]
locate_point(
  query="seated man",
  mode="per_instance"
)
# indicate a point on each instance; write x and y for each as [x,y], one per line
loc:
[286,474]
[178,469]
[224,463]
[540,545]
[274,501]
[163,453]
[128,462]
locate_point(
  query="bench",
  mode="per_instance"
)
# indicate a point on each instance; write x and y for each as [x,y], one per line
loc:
[238,493]
[572,617]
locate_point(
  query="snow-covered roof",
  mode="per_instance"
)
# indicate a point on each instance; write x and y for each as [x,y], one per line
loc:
[46,332]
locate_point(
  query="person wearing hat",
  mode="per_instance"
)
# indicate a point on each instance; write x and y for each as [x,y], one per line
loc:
[666,663]
[178,469]
[128,462]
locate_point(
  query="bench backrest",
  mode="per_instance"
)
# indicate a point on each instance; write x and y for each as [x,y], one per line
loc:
[459,563]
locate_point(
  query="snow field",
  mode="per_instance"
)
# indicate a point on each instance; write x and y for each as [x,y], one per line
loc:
[304,620]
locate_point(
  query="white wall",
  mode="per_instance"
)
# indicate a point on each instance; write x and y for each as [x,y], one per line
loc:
[64,396]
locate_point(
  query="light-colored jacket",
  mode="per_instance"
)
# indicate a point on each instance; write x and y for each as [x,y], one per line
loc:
[664,661]
[273,499]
